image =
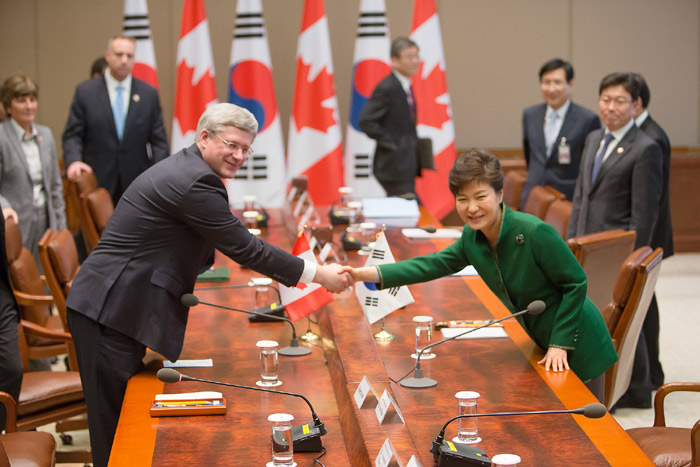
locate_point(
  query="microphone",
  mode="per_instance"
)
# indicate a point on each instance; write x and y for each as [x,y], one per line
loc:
[293,350]
[418,381]
[306,438]
[455,455]
[263,312]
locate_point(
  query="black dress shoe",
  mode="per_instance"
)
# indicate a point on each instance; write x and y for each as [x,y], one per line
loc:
[633,402]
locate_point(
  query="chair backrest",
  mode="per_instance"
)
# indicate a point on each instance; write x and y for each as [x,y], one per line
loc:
[78,189]
[558,215]
[59,256]
[539,200]
[600,255]
[98,209]
[24,274]
[633,294]
[513,183]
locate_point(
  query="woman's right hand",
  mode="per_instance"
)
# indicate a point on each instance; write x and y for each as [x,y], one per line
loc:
[364,274]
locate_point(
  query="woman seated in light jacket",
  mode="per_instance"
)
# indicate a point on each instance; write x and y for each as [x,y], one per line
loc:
[521,259]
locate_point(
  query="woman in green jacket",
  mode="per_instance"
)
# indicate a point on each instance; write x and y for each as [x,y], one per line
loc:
[521,259]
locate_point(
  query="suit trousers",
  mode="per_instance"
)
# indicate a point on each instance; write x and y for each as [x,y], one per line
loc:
[106,361]
[11,370]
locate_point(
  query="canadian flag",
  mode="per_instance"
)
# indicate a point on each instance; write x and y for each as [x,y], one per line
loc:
[304,299]
[195,88]
[250,85]
[434,119]
[370,66]
[137,25]
[315,146]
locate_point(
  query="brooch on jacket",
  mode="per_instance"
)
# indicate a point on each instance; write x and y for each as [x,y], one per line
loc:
[520,239]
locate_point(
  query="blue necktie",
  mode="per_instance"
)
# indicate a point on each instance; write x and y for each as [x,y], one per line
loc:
[118,111]
[598,162]
[550,133]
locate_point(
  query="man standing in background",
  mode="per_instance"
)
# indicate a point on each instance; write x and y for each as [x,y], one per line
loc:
[554,132]
[115,126]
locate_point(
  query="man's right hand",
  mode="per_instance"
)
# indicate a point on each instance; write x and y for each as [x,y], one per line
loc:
[333,278]
[76,168]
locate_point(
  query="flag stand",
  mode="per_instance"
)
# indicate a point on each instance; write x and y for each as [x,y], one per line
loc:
[309,335]
[383,335]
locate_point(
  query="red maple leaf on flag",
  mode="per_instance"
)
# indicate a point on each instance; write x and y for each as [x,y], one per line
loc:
[430,112]
[190,99]
[308,96]
[301,286]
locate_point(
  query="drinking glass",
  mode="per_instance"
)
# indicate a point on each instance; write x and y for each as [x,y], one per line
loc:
[468,427]
[504,460]
[268,364]
[250,219]
[282,443]
[423,326]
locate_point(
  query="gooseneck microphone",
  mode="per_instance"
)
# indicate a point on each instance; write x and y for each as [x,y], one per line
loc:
[418,381]
[455,455]
[293,350]
[264,312]
[306,438]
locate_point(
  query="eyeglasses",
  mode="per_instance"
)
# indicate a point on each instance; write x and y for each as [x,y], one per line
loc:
[236,147]
[617,102]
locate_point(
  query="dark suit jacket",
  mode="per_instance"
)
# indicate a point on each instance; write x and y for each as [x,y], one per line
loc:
[387,119]
[16,188]
[663,233]
[541,170]
[91,135]
[162,232]
[626,192]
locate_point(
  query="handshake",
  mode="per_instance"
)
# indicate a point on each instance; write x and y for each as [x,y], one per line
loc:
[336,278]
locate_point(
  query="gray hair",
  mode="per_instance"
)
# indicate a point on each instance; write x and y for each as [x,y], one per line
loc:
[224,114]
[399,44]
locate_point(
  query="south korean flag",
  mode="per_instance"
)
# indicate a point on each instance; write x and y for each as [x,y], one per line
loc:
[376,304]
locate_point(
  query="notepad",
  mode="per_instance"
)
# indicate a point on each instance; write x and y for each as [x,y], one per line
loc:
[206,362]
[214,275]
[485,333]
[189,403]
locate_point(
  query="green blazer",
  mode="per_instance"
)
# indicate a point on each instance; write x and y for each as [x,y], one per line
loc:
[530,262]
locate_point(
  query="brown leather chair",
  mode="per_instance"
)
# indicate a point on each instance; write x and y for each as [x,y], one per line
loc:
[539,200]
[96,208]
[669,446]
[33,448]
[59,257]
[47,396]
[601,254]
[28,286]
[625,315]
[513,183]
[558,215]
[78,189]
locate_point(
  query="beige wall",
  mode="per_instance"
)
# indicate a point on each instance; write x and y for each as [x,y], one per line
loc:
[492,48]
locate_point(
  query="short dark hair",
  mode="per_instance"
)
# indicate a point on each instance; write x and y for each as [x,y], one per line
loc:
[401,43]
[476,165]
[556,63]
[16,86]
[644,93]
[626,80]
[98,67]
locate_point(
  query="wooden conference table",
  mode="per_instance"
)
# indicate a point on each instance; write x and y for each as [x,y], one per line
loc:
[503,371]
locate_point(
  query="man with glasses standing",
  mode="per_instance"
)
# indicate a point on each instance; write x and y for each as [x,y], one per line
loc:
[115,126]
[126,296]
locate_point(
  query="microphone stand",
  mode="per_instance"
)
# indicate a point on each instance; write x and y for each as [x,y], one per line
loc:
[265,313]
[419,381]
[293,350]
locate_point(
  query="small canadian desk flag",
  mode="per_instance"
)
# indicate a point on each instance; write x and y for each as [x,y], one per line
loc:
[304,299]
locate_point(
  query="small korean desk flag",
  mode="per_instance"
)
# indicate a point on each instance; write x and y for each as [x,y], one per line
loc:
[376,304]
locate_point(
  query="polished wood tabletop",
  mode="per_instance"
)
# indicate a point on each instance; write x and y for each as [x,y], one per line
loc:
[504,371]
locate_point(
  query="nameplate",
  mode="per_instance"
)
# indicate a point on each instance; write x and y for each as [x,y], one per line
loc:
[362,391]
[413,462]
[386,453]
[383,405]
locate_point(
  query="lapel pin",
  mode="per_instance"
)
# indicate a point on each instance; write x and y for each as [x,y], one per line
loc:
[520,239]
[620,150]
[136,98]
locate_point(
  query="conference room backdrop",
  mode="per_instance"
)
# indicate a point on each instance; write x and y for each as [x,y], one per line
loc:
[493,50]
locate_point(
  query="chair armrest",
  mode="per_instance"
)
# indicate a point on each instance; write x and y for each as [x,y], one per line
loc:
[695,444]
[11,410]
[29,299]
[666,389]
[40,331]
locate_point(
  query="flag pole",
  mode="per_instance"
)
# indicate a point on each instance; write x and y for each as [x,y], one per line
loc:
[383,335]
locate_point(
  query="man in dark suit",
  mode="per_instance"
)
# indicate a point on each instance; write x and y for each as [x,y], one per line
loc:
[647,353]
[115,126]
[126,296]
[554,132]
[619,185]
[11,370]
[390,118]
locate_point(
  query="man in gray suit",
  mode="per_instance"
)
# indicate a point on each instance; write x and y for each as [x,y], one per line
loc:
[554,132]
[620,182]
[126,296]
[115,126]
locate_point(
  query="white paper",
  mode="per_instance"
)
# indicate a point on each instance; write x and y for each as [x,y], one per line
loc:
[492,331]
[389,207]
[385,454]
[189,396]
[439,233]
[207,362]
[468,271]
